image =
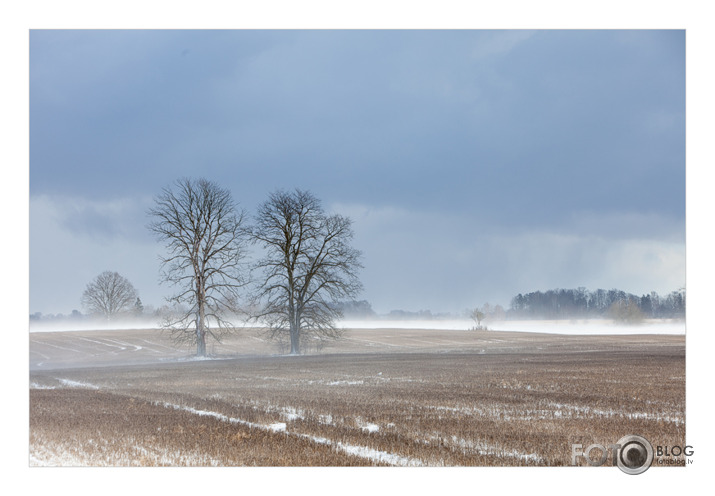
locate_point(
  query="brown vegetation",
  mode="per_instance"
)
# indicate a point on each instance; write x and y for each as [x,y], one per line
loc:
[507,399]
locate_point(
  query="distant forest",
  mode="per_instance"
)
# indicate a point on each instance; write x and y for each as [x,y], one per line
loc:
[577,303]
[581,303]
[552,304]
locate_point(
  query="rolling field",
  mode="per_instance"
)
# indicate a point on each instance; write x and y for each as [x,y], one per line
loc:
[392,397]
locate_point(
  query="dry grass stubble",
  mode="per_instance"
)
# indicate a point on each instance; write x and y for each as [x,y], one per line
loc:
[508,406]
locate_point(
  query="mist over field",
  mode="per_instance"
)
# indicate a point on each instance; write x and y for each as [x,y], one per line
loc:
[575,326]
[566,326]
[92,325]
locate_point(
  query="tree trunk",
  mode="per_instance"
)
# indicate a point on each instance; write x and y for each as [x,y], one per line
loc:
[200,333]
[294,337]
[294,346]
[200,343]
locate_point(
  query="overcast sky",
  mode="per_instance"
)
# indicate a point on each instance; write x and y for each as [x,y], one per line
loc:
[475,164]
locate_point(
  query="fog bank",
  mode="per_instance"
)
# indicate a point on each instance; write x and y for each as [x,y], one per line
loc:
[91,325]
[578,327]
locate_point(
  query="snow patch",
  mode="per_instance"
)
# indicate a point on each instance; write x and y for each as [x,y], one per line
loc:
[345,383]
[368,453]
[326,419]
[351,449]
[380,456]
[367,426]
[497,451]
[70,383]
[34,385]
[568,410]
[290,414]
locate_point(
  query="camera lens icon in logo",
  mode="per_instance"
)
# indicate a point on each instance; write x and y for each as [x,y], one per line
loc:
[635,455]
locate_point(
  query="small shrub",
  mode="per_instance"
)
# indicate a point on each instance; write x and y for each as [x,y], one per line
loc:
[626,313]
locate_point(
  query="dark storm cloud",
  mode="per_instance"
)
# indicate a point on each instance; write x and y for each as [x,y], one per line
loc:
[554,133]
[585,117]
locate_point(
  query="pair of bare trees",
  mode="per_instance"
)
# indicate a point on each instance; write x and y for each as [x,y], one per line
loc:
[308,262]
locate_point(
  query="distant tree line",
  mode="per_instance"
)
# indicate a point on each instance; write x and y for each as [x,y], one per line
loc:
[354,309]
[581,303]
[135,311]
[408,315]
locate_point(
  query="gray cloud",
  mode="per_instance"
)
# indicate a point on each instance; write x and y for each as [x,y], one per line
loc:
[99,220]
[426,260]
[555,140]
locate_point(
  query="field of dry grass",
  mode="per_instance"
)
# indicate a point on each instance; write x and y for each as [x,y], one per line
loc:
[378,397]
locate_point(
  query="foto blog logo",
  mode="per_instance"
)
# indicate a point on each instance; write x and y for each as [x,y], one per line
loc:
[632,454]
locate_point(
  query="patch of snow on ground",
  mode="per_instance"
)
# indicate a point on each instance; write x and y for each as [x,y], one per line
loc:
[486,449]
[326,419]
[361,451]
[290,414]
[216,415]
[569,410]
[34,385]
[54,456]
[368,453]
[69,383]
[379,456]
[367,426]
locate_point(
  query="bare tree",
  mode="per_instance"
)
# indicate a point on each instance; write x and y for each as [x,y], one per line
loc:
[202,229]
[477,316]
[309,266]
[109,295]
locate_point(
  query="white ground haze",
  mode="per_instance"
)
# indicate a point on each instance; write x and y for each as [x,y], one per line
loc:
[575,327]
[579,327]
